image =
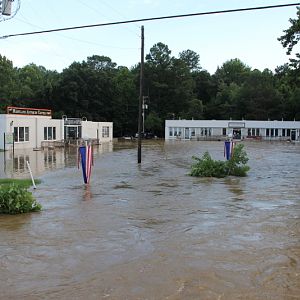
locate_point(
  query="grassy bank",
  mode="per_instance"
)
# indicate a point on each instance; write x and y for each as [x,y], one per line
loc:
[25,183]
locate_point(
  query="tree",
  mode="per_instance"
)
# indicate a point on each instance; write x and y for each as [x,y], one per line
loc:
[224,104]
[154,123]
[32,83]
[291,38]
[232,71]
[125,103]
[194,110]
[159,56]
[191,59]
[258,98]
[100,62]
[8,86]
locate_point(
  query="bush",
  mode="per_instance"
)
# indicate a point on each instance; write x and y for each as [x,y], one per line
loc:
[207,167]
[15,199]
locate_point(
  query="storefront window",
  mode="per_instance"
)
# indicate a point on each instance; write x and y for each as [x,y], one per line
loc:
[49,133]
[105,131]
[21,134]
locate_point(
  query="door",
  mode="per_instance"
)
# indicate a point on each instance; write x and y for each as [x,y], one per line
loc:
[293,135]
[187,134]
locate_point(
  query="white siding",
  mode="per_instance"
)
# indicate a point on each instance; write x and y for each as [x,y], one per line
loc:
[36,125]
[272,130]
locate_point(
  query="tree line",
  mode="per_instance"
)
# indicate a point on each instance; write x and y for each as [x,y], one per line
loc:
[174,87]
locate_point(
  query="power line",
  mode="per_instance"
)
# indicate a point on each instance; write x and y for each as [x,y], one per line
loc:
[151,19]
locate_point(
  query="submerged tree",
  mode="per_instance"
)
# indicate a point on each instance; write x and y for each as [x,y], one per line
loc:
[207,167]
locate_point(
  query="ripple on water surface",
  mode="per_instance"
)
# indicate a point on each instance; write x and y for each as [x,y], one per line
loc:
[150,231]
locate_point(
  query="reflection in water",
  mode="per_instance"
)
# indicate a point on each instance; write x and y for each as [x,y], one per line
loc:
[150,231]
[14,165]
[87,192]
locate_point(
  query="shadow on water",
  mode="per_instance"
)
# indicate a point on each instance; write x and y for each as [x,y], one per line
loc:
[150,231]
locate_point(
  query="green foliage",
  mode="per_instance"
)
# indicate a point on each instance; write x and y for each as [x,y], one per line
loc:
[15,199]
[291,35]
[207,167]
[236,166]
[290,39]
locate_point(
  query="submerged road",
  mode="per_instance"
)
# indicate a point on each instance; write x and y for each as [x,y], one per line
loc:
[153,232]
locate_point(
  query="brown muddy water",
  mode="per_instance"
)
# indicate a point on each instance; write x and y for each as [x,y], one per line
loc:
[153,232]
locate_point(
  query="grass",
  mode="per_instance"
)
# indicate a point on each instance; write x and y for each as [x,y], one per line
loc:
[25,183]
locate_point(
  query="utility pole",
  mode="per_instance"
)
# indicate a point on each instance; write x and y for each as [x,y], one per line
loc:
[141,97]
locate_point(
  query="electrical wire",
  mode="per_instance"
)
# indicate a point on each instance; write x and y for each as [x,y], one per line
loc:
[151,19]
[98,11]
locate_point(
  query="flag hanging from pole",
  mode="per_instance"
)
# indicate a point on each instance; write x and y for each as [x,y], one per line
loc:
[86,157]
[228,149]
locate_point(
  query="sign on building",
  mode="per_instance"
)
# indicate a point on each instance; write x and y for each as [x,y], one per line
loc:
[12,110]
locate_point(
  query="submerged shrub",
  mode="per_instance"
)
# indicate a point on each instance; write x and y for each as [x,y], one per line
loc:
[15,199]
[207,167]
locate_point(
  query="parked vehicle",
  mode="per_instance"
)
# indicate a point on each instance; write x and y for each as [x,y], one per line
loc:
[146,135]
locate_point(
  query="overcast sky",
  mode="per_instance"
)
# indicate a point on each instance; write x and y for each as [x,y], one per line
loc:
[250,36]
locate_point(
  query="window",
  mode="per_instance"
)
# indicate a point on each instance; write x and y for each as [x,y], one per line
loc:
[288,132]
[276,132]
[26,133]
[21,134]
[283,132]
[193,133]
[255,132]
[49,133]
[105,131]
[267,132]
[224,131]
[171,131]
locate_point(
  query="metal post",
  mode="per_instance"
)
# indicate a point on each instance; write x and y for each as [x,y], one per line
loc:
[141,97]
[28,166]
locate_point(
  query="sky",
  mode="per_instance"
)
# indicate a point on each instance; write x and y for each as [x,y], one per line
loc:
[250,36]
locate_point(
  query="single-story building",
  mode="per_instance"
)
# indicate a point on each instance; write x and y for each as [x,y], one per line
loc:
[238,129]
[25,128]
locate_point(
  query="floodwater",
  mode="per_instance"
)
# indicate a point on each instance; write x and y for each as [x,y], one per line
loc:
[150,231]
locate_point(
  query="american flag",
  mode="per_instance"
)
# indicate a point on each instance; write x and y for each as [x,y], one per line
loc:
[228,149]
[86,156]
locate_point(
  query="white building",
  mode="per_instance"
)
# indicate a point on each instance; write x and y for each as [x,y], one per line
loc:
[25,128]
[241,129]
